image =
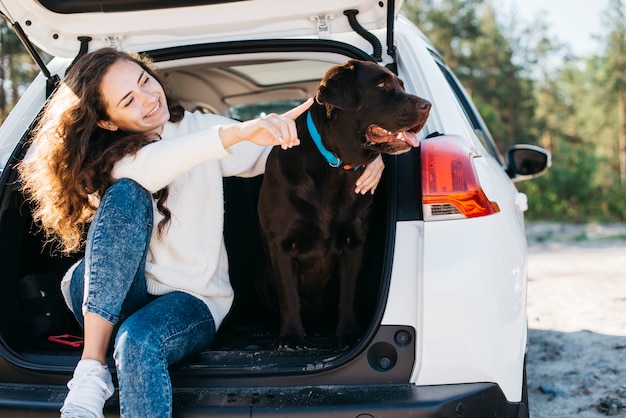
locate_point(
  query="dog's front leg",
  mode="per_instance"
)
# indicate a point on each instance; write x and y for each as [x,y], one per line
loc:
[347,327]
[291,335]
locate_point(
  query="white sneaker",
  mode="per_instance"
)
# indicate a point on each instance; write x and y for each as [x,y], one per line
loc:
[90,387]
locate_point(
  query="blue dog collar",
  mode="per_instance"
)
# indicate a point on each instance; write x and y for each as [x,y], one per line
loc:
[331,158]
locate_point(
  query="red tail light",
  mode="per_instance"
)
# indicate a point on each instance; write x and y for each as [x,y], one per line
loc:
[450,187]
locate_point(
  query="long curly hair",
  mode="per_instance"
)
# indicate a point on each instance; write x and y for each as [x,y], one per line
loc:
[68,165]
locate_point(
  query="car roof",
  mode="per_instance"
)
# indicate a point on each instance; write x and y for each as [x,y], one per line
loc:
[56,26]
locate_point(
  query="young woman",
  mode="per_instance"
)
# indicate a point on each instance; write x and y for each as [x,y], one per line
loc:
[114,152]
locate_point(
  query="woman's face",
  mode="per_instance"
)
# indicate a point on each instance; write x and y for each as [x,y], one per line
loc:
[134,100]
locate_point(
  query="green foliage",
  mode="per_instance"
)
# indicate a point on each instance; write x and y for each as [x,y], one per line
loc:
[471,41]
[529,88]
[577,197]
[17,69]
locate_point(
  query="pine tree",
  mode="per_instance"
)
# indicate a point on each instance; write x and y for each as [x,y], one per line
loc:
[615,70]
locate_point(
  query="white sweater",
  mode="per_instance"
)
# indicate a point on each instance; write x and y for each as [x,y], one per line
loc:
[190,256]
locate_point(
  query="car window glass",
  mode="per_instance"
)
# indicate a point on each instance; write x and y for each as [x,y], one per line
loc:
[470,113]
[249,111]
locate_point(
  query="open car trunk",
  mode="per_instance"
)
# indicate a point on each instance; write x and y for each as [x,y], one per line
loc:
[32,306]
[241,84]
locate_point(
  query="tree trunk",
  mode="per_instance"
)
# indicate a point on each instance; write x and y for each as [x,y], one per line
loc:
[621,108]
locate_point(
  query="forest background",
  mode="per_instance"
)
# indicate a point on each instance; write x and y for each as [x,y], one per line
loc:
[529,87]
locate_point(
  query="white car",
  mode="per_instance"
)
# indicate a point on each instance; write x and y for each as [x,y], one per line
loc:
[443,289]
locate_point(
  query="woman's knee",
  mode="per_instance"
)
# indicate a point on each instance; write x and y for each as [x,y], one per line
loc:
[169,328]
[130,198]
[135,341]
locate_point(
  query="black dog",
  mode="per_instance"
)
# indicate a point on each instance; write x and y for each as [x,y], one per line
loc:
[313,223]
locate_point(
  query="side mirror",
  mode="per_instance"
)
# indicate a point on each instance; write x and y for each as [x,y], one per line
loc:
[527,161]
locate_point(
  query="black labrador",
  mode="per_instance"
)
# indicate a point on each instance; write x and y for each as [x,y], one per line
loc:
[313,223]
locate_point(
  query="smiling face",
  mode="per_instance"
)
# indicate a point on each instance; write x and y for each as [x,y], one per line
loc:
[134,100]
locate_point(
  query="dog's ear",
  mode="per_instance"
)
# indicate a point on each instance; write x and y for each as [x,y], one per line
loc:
[340,89]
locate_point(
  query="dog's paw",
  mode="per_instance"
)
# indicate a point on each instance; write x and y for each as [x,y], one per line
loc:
[289,343]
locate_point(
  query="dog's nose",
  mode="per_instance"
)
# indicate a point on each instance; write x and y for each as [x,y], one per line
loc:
[424,105]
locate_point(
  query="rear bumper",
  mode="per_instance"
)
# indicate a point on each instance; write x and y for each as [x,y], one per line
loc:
[397,400]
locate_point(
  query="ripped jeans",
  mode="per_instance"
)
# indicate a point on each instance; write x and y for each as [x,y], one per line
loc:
[152,331]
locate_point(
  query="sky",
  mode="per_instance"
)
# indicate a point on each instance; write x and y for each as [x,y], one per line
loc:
[574,21]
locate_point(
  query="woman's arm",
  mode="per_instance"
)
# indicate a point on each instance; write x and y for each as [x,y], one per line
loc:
[201,138]
[192,141]
[273,129]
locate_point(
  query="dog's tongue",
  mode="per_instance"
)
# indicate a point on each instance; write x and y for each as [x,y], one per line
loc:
[409,138]
[377,135]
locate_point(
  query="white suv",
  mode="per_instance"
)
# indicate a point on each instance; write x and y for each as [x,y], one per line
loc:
[443,289]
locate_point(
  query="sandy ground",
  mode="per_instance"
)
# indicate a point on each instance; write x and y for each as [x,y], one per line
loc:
[577,320]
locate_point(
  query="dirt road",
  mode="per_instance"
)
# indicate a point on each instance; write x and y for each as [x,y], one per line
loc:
[577,320]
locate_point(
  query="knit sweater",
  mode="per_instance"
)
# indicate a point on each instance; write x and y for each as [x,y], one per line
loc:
[190,255]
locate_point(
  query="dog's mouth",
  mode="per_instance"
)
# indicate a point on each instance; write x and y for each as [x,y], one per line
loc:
[391,142]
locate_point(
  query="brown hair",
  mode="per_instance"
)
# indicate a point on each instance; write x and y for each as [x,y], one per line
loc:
[68,167]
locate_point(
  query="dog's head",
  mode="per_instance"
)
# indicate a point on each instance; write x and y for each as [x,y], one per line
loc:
[386,116]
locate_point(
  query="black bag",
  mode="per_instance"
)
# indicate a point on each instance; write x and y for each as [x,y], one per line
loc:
[45,309]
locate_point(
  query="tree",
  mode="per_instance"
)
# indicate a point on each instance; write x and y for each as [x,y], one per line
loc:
[470,39]
[615,71]
[530,88]
[450,24]
[17,69]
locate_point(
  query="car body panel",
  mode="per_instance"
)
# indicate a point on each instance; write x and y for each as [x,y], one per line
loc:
[438,296]
[392,400]
[58,33]
[455,296]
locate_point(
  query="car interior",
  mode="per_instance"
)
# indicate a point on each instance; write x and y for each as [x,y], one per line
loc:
[242,88]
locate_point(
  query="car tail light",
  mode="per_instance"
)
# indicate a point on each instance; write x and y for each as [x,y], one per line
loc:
[450,187]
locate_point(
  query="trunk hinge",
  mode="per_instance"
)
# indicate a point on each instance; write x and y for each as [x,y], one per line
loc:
[323,25]
[115,42]
[51,79]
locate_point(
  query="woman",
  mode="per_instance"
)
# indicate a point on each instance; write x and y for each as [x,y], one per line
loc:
[112,150]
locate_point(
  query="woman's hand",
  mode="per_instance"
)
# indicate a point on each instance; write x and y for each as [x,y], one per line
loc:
[371,177]
[268,130]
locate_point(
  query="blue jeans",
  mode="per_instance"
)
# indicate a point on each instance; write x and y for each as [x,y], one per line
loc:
[152,331]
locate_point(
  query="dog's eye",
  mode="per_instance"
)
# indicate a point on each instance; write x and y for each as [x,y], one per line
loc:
[381,85]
